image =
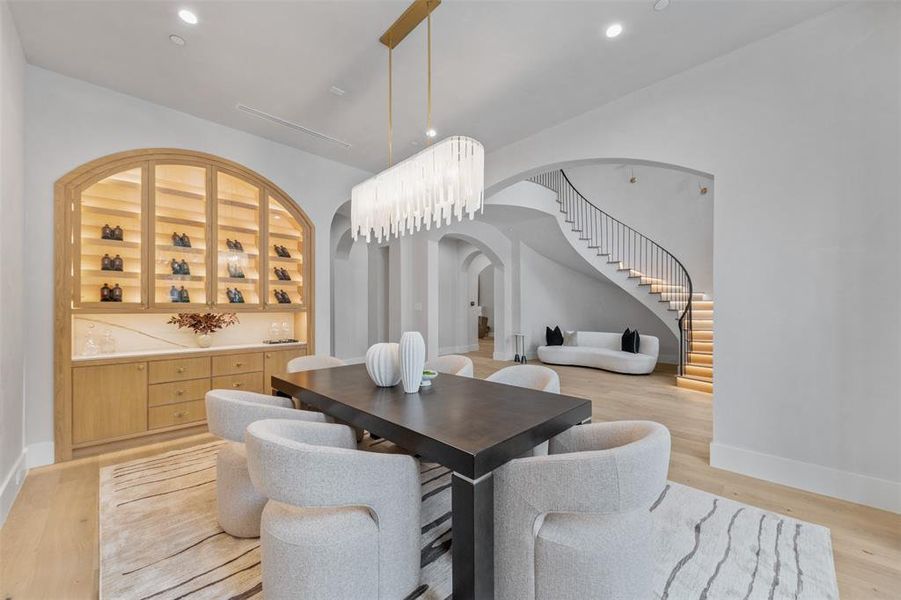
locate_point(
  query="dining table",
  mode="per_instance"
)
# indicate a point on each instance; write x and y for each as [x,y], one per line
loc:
[468,425]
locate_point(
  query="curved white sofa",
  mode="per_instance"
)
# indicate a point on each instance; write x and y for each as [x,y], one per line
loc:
[602,351]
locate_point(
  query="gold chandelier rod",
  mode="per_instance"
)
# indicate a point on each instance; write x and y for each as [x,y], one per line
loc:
[415,14]
[418,11]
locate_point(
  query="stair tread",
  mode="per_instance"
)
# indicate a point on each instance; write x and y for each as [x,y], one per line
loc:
[697,378]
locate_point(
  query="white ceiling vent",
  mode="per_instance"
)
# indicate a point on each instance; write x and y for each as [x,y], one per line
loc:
[292,125]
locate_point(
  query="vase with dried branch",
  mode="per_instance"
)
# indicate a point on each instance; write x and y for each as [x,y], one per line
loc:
[204,325]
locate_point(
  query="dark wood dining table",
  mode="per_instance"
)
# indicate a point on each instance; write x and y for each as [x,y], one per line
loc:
[470,426]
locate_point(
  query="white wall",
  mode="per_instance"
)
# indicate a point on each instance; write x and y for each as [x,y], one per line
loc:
[801,132]
[663,204]
[451,291]
[69,122]
[12,309]
[553,294]
[486,295]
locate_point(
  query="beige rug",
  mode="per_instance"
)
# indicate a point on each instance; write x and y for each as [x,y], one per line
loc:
[159,539]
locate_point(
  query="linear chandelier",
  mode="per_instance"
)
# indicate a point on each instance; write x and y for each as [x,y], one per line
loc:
[442,182]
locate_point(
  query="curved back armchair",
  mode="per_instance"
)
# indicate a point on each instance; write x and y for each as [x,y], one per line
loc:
[229,412]
[576,523]
[534,377]
[316,361]
[452,364]
[340,523]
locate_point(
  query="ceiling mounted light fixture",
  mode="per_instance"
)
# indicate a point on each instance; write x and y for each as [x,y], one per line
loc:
[177,40]
[661,4]
[187,16]
[443,181]
[614,30]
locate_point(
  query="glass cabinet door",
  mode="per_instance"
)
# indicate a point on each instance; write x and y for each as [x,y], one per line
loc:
[286,256]
[238,240]
[180,234]
[108,224]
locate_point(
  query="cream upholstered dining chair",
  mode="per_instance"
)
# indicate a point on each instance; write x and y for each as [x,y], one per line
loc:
[315,361]
[576,524]
[228,414]
[534,377]
[452,364]
[340,522]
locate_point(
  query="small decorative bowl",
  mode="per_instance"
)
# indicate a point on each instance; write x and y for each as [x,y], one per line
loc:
[427,376]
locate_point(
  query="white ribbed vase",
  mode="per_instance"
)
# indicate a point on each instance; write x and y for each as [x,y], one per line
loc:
[412,360]
[383,364]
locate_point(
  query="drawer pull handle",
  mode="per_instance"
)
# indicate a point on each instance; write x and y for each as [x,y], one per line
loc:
[268,356]
[179,415]
[238,364]
[237,385]
[179,392]
[181,369]
[140,367]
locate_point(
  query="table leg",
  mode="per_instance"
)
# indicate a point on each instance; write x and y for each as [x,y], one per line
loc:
[473,537]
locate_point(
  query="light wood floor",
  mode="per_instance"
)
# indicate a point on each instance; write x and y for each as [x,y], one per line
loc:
[49,545]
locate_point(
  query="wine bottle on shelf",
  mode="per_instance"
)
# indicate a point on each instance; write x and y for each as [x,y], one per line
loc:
[118,264]
[239,296]
[184,268]
[106,232]
[278,250]
[105,293]
[173,265]
[118,233]
[173,294]
[183,295]
[229,244]
[116,293]
[176,239]
[285,275]
[106,263]
[185,240]
[278,273]
[230,295]
[239,246]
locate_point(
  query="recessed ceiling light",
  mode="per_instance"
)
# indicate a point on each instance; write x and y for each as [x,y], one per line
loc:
[614,30]
[187,16]
[335,90]
[431,133]
[661,4]
[177,40]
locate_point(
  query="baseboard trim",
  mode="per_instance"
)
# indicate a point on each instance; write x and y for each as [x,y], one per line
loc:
[39,454]
[11,486]
[845,485]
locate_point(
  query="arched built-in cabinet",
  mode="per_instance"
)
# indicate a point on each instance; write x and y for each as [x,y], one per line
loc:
[155,231]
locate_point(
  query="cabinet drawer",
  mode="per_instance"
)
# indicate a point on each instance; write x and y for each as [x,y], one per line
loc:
[248,382]
[176,414]
[237,363]
[179,369]
[178,391]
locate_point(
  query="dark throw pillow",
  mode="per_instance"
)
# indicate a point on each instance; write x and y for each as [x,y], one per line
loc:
[631,341]
[553,337]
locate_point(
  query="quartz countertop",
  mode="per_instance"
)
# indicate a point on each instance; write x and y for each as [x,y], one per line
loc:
[154,353]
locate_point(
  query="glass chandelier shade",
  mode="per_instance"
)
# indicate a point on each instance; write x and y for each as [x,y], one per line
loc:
[440,183]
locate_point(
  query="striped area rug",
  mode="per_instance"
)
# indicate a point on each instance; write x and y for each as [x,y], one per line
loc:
[159,539]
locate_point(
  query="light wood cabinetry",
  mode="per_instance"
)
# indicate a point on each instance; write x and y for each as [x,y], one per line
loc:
[237,363]
[132,398]
[164,231]
[109,401]
[179,369]
[276,361]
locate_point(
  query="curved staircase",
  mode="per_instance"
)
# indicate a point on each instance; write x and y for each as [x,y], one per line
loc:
[641,259]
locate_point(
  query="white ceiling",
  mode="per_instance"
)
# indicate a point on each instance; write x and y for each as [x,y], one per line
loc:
[501,70]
